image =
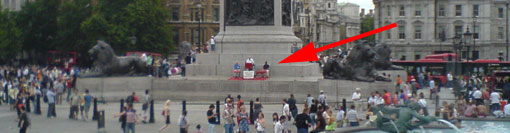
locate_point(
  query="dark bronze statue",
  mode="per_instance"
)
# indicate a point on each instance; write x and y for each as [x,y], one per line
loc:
[383,58]
[249,12]
[106,63]
[359,65]
[404,121]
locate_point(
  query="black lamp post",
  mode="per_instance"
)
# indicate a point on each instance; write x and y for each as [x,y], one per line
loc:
[457,46]
[199,7]
[467,40]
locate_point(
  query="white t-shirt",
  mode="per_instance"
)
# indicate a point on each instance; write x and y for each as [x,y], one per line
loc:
[279,127]
[286,110]
[352,116]
[477,94]
[494,97]
[371,100]
[212,41]
[507,109]
[379,101]
[356,96]
[340,115]
[450,77]
[422,102]
[250,60]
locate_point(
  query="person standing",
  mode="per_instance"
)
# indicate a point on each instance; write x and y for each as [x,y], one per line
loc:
[166,115]
[321,124]
[249,64]
[260,123]
[131,119]
[399,82]
[356,98]
[308,101]
[211,118]
[292,106]
[322,98]
[257,106]
[86,106]
[423,103]
[145,105]
[303,121]
[228,116]
[24,122]
[495,100]
[279,127]
[266,68]
[414,87]
[449,80]
[243,122]
[286,109]
[352,117]
[240,102]
[51,103]
[340,115]
[313,112]
[75,102]
[213,44]
[477,95]
[183,122]
[123,118]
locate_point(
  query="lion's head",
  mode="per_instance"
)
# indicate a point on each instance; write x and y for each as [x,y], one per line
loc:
[361,53]
[383,51]
[102,53]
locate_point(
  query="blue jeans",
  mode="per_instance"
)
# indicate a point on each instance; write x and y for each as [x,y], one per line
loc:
[312,116]
[211,127]
[354,124]
[229,128]
[130,126]
[302,130]
[495,106]
[213,47]
[51,110]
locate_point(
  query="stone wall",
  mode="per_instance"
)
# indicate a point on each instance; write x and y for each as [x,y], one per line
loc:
[273,90]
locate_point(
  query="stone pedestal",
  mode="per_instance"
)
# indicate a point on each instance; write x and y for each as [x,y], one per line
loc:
[263,42]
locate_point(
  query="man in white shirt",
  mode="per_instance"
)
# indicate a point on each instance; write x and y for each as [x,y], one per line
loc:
[449,79]
[507,109]
[286,109]
[356,98]
[379,100]
[249,64]
[322,98]
[279,127]
[213,43]
[477,95]
[371,99]
[495,100]
[340,117]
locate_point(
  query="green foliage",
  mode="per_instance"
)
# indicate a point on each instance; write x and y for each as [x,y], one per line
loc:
[38,21]
[118,21]
[367,24]
[9,36]
[70,37]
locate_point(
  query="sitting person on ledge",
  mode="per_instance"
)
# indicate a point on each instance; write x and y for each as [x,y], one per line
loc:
[237,69]
[266,68]
[249,64]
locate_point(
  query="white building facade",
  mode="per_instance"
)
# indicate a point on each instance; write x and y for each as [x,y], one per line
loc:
[427,26]
[13,5]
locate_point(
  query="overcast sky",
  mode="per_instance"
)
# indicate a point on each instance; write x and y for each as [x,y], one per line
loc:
[367,4]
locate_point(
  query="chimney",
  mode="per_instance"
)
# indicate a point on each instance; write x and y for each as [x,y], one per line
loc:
[371,12]
[362,12]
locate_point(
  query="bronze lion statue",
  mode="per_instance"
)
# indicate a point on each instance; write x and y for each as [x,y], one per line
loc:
[383,58]
[358,65]
[106,63]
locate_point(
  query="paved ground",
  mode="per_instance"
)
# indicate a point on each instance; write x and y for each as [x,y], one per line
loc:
[196,113]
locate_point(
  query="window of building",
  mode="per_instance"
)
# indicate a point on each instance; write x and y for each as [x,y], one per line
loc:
[402,11]
[476,10]
[197,15]
[329,5]
[417,11]
[176,35]
[417,57]
[458,30]
[441,32]
[500,33]
[13,4]
[501,13]
[401,32]
[216,14]
[458,10]
[175,14]
[441,10]
[195,37]
[388,11]
[388,34]
[417,32]
[476,32]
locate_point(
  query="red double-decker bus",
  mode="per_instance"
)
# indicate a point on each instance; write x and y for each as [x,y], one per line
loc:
[439,65]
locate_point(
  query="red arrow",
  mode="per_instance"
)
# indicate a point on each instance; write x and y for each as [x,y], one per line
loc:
[309,53]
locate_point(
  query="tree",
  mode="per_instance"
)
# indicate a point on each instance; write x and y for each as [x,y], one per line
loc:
[118,22]
[367,24]
[9,35]
[71,15]
[38,21]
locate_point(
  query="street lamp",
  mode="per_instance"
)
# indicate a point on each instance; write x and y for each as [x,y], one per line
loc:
[457,46]
[467,40]
[199,7]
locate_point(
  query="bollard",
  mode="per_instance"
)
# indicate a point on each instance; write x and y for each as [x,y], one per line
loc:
[344,104]
[121,104]
[100,122]
[94,111]
[218,112]
[37,105]
[151,112]
[437,101]
[27,105]
[183,105]
[251,112]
